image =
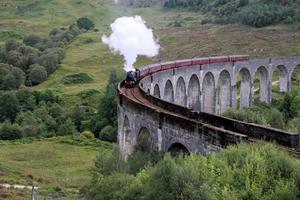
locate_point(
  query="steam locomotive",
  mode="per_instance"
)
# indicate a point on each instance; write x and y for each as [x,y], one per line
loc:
[132,78]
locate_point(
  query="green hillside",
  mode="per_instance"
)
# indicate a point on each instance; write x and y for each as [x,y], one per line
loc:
[62,162]
[180,35]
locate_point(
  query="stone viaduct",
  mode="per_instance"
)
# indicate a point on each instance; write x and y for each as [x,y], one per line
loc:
[176,103]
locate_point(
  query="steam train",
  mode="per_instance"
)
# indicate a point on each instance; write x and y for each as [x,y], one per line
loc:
[133,77]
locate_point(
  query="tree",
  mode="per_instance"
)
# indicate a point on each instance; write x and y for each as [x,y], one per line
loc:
[85,23]
[67,128]
[32,40]
[10,131]
[12,45]
[9,106]
[11,78]
[49,61]
[37,74]
[107,110]
[16,59]
[31,125]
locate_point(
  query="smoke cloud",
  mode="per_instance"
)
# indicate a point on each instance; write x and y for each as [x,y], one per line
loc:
[130,37]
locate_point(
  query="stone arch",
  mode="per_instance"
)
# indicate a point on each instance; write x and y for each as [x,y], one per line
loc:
[209,93]
[245,88]
[194,93]
[261,83]
[144,141]
[169,92]
[156,91]
[283,78]
[180,93]
[127,137]
[295,76]
[178,148]
[224,90]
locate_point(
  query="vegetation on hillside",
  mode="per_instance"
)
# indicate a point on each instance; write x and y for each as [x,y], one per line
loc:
[32,61]
[281,113]
[252,171]
[257,13]
[58,166]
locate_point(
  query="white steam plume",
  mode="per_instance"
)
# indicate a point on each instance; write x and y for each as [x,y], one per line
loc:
[130,37]
[116,1]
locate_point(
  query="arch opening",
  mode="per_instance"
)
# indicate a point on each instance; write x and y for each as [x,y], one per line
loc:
[296,78]
[224,92]
[245,84]
[144,142]
[209,93]
[180,93]
[127,140]
[177,149]
[279,80]
[193,98]
[261,85]
[156,92]
[169,92]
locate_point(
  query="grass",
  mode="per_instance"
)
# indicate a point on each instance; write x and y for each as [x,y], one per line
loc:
[62,162]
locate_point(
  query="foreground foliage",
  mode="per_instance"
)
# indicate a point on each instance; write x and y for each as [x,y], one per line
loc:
[245,171]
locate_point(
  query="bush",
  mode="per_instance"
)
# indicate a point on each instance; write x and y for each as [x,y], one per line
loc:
[245,115]
[10,131]
[85,23]
[36,74]
[276,120]
[9,106]
[244,171]
[108,133]
[87,134]
[67,128]
[31,125]
[32,40]
[77,78]
[49,61]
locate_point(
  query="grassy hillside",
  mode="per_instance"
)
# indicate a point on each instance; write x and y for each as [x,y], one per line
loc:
[87,54]
[50,163]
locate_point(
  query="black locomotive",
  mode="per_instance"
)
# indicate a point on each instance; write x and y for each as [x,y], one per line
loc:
[132,78]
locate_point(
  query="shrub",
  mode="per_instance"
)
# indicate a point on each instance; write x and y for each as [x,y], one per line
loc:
[276,120]
[245,115]
[49,61]
[87,134]
[9,106]
[108,133]
[36,74]
[85,23]
[77,78]
[10,131]
[294,125]
[67,128]
[31,125]
[32,40]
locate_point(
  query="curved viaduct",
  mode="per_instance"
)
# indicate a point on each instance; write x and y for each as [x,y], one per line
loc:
[176,103]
